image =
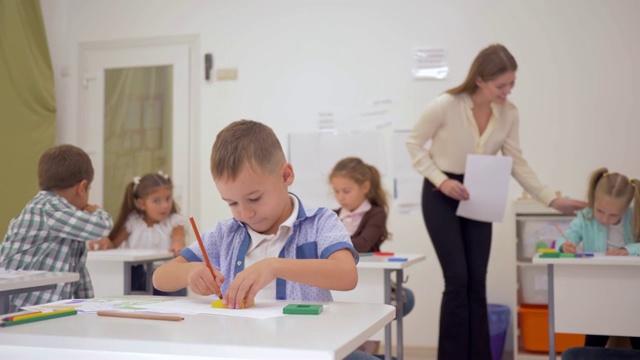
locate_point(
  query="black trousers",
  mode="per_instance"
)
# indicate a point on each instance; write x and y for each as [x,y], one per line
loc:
[139,283]
[462,246]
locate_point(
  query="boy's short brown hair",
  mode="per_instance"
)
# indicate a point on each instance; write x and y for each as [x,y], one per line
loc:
[64,166]
[245,142]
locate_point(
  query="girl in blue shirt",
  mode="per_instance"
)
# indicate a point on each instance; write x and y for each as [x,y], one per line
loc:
[607,225]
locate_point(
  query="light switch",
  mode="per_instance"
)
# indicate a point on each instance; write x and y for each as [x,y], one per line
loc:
[227,74]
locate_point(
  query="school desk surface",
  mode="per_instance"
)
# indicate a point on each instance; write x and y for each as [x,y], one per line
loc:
[331,335]
[110,270]
[387,264]
[593,295]
[38,281]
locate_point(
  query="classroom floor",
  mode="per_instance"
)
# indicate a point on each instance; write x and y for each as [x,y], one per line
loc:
[421,357]
[415,353]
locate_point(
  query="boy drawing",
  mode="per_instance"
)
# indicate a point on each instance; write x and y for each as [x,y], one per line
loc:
[273,246]
[51,232]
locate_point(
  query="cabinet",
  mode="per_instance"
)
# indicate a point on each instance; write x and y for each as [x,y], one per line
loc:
[535,226]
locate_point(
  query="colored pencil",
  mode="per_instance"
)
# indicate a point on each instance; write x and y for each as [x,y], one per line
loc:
[204,251]
[43,316]
[11,317]
[561,232]
[39,314]
[129,315]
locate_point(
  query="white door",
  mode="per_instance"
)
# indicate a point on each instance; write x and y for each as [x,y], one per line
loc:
[172,147]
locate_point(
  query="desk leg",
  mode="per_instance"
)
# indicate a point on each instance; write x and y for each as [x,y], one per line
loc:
[4,304]
[149,267]
[387,328]
[127,278]
[399,314]
[552,330]
[5,301]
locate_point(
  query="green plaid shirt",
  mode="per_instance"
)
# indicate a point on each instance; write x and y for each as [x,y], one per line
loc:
[50,235]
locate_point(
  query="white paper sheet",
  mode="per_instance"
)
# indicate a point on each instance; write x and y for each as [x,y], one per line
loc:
[89,306]
[486,178]
[202,305]
[170,305]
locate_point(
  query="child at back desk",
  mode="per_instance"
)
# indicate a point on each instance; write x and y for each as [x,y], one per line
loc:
[149,219]
[51,232]
[274,245]
[607,225]
[363,203]
[357,186]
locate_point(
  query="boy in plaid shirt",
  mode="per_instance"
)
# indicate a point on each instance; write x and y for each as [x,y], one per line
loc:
[51,232]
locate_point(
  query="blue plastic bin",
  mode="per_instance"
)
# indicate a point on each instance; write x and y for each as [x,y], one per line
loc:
[499,316]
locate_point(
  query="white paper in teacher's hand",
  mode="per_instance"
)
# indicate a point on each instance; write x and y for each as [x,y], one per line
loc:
[486,178]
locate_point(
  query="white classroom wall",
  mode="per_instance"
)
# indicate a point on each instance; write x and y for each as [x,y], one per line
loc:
[575,86]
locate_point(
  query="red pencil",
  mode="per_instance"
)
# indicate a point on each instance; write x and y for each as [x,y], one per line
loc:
[204,251]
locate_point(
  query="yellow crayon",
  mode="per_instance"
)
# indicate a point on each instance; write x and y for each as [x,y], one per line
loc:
[219,305]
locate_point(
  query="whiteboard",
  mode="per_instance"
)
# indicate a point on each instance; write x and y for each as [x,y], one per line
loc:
[407,183]
[313,155]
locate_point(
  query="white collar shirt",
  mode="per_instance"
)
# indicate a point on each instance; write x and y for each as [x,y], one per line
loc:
[269,246]
[352,219]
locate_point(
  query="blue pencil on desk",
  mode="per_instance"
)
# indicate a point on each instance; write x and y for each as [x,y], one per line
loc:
[397,259]
[584,255]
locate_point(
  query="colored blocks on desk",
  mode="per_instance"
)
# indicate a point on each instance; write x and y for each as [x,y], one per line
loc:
[383,253]
[550,255]
[217,304]
[547,251]
[302,309]
[541,245]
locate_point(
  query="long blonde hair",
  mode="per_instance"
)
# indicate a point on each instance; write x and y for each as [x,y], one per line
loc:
[618,187]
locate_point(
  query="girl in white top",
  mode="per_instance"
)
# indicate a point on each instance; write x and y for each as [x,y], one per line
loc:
[149,219]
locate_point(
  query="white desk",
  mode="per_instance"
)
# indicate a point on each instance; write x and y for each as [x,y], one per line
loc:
[32,282]
[596,295]
[368,263]
[110,270]
[332,335]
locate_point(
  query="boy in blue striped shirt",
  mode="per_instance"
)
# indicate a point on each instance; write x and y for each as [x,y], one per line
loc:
[51,232]
[274,247]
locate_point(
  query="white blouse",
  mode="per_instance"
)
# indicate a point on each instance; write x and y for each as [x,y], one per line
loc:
[158,236]
[449,123]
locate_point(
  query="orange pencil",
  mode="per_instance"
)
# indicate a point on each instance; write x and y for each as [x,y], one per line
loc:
[204,252]
[561,232]
[122,314]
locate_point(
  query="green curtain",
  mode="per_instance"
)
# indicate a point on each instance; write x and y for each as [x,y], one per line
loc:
[27,103]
